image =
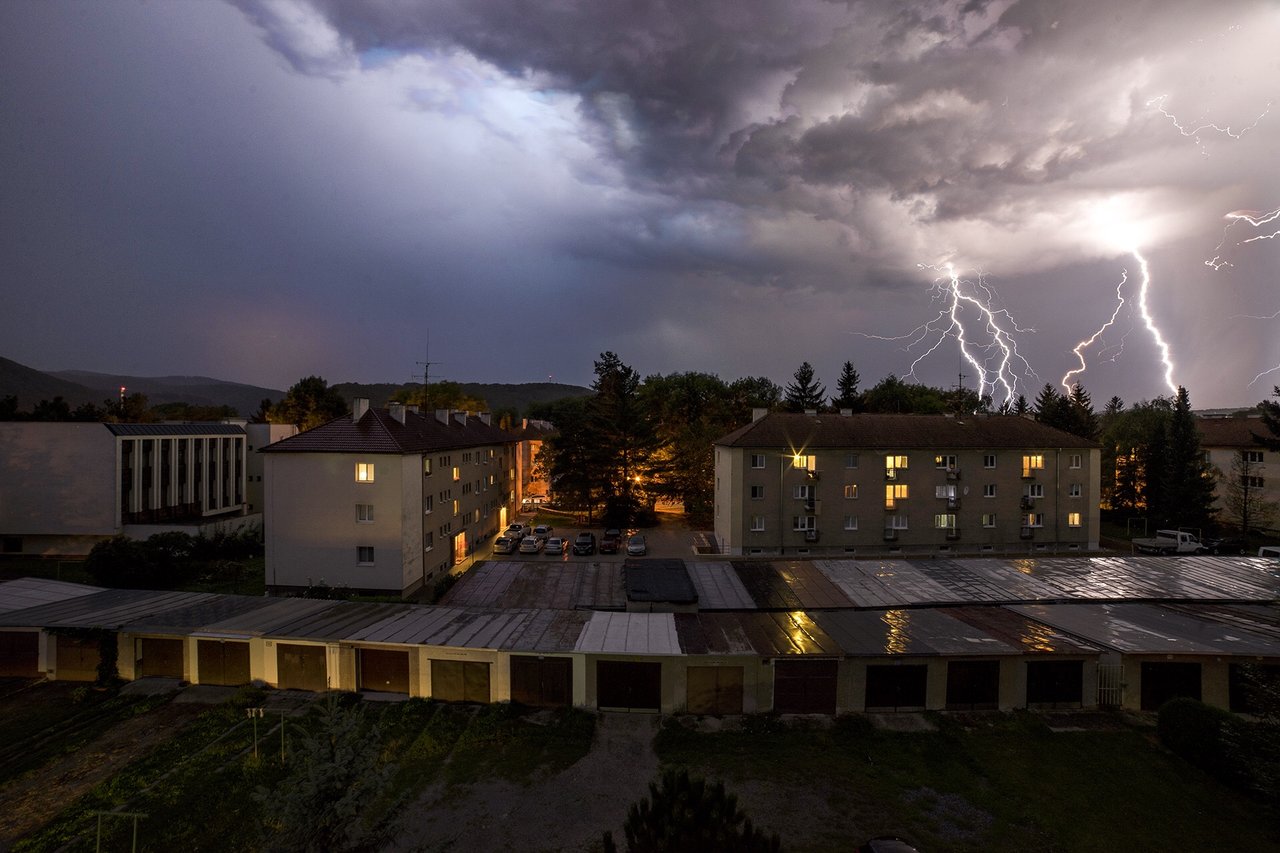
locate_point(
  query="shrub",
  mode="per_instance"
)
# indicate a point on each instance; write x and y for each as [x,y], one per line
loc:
[1202,735]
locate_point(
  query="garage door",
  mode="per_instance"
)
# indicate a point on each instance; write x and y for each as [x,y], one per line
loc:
[77,659]
[715,689]
[804,686]
[384,670]
[1055,683]
[542,682]
[301,667]
[973,685]
[896,688]
[629,685]
[223,662]
[157,657]
[1164,681]
[19,654]
[459,681]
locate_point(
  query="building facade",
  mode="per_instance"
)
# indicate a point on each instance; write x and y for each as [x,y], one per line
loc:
[384,500]
[904,484]
[66,486]
[1229,446]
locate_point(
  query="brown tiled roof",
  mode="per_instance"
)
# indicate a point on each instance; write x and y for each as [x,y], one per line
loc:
[378,432]
[1231,432]
[899,431]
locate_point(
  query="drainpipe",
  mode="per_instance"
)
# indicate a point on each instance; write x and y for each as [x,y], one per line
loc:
[782,467]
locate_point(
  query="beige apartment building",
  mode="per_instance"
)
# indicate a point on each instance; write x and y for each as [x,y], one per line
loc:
[904,485]
[1229,446]
[385,500]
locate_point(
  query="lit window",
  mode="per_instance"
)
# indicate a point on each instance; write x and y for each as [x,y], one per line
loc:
[757,460]
[851,491]
[851,460]
[457,474]
[803,522]
[426,466]
[757,493]
[988,519]
[1073,519]
[364,555]
[892,464]
[850,522]
[989,460]
[947,492]
[1073,490]
[457,507]
[945,521]
[364,472]
[944,461]
[802,462]
[1075,460]
[1031,463]
[1034,490]
[894,492]
[364,513]
[989,490]
[1033,519]
[757,523]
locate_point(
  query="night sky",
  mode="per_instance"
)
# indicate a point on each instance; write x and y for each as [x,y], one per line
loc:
[260,191]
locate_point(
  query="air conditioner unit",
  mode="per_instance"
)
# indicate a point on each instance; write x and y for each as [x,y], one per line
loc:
[811,536]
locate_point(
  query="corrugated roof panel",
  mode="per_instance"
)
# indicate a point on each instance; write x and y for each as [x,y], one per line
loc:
[266,619]
[23,593]
[484,585]
[1151,629]
[554,586]
[629,633]
[719,587]
[1020,632]
[601,587]
[198,616]
[766,586]
[663,580]
[111,609]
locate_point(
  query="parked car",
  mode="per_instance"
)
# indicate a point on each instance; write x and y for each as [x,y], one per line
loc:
[555,545]
[887,844]
[585,543]
[505,545]
[611,541]
[530,545]
[1226,544]
[516,531]
[636,546]
[534,500]
[1269,551]
[542,531]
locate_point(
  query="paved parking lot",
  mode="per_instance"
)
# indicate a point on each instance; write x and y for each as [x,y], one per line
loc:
[671,538]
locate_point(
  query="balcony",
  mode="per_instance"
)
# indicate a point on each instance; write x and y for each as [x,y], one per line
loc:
[953,474]
[953,503]
[813,505]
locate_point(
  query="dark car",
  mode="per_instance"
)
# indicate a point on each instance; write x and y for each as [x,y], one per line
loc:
[887,844]
[611,541]
[585,543]
[1226,545]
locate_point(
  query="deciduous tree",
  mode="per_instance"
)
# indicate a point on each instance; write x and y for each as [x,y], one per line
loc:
[308,404]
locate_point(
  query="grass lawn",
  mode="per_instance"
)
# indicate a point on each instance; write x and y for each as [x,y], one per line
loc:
[1007,783]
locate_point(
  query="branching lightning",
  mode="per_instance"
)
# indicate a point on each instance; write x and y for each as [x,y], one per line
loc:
[1143,308]
[1254,218]
[989,346]
[1079,348]
[1195,132]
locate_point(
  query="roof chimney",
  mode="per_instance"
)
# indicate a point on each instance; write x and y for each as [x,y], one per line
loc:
[359,406]
[442,415]
[486,418]
[524,423]
[460,417]
[417,410]
[757,414]
[397,411]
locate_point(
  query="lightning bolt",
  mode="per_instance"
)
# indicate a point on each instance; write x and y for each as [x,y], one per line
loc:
[1079,348]
[1254,218]
[1196,131]
[1143,292]
[988,346]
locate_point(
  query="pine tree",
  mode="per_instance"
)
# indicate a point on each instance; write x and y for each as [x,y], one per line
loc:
[1271,420]
[626,437]
[1083,421]
[1189,478]
[1051,407]
[805,392]
[1020,407]
[847,386]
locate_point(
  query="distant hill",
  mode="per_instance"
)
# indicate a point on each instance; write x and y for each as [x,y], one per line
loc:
[196,390]
[497,395]
[31,386]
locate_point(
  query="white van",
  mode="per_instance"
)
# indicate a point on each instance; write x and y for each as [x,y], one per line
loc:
[1269,551]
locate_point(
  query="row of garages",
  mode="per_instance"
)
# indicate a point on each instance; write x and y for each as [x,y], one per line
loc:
[672,684]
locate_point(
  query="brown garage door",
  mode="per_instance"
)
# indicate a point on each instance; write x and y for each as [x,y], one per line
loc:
[973,685]
[804,686]
[714,689]
[1164,681]
[542,682]
[223,662]
[19,654]
[459,681]
[629,685]
[1055,683]
[384,670]
[896,688]
[159,657]
[301,667]
[78,659]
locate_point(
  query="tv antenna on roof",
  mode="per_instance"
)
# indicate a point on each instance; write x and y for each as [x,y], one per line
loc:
[426,368]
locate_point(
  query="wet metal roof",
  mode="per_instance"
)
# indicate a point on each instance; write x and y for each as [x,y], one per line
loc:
[658,580]
[31,592]
[719,587]
[712,634]
[794,633]
[112,609]
[1152,629]
[877,633]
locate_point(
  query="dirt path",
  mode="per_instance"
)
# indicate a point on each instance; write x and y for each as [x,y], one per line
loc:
[31,800]
[566,812]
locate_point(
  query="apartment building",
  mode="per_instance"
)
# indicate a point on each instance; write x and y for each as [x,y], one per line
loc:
[1229,446]
[384,500]
[66,486]
[904,484]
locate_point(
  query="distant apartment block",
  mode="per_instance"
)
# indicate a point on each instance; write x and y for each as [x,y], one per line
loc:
[66,486]
[904,484]
[385,500]
[1229,446]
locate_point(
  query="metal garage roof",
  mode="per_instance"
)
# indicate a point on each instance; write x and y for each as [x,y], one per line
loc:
[337,621]
[112,609]
[712,634]
[777,634]
[484,585]
[924,631]
[629,633]
[32,592]
[719,587]
[1152,629]
[658,580]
